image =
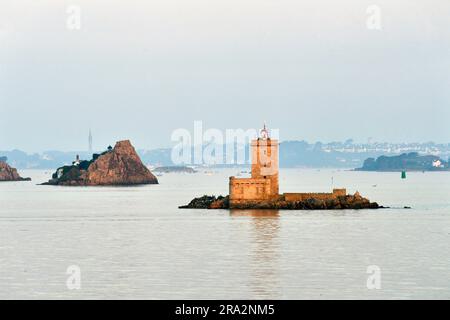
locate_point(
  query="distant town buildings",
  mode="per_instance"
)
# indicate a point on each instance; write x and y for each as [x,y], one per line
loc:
[430,148]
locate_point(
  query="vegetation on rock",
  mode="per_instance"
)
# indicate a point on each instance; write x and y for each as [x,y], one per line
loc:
[406,161]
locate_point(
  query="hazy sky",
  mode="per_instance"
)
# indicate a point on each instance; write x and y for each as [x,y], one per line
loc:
[141,69]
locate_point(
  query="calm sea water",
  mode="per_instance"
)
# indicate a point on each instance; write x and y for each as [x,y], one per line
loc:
[133,242]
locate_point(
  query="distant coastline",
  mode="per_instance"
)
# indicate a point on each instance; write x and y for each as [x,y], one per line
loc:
[174,169]
[293,154]
[405,162]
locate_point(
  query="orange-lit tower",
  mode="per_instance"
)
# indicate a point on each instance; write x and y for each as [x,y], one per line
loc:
[263,184]
[265,160]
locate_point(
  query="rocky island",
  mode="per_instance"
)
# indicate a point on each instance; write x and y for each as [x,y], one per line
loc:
[116,166]
[355,201]
[8,173]
[407,161]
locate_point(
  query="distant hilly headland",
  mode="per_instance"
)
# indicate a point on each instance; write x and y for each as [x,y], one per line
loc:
[407,161]
[120,165]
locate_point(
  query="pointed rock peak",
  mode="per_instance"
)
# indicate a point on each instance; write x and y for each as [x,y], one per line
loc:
[124,146]
[123,143]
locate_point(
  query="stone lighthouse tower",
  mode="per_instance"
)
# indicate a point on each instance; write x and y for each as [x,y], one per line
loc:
[263,184]
[265,160]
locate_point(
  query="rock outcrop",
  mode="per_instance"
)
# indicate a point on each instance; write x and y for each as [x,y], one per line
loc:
[342,202]
[120,165]
[208,202]
[10,174]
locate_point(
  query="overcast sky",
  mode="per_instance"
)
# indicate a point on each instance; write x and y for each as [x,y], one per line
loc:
[140,69]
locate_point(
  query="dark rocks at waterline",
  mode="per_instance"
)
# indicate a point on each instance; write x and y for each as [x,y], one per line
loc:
[339,203]
[208,202]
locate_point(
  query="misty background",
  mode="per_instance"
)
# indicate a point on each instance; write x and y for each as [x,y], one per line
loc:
[141,69]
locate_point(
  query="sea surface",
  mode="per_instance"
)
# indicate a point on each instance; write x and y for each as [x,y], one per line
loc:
[134,243]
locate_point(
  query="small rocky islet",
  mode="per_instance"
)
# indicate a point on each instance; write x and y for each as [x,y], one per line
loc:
[118,166]
[8,173]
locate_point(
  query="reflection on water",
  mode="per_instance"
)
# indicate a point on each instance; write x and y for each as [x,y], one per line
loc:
[265,252]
